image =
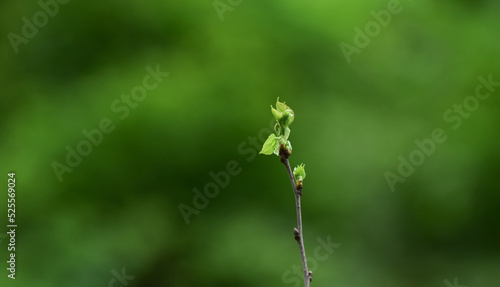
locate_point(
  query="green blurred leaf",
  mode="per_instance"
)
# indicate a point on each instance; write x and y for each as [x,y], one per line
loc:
[270,145]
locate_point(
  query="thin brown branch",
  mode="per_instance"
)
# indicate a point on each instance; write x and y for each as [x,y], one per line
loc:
[297,231]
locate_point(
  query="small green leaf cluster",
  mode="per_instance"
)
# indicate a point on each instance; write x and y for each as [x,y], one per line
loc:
[299,174]
[284,117]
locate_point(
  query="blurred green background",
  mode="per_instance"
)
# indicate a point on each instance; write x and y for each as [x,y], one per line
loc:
[119,207]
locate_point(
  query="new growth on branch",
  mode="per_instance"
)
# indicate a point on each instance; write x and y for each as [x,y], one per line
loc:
[277,143]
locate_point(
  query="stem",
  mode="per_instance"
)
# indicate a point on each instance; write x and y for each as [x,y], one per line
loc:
[298,235]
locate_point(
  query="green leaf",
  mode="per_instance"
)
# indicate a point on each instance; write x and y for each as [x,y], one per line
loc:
[282,107]
[287,133]
[290,118]
[299,172]
[270,145]
[286,113]
[277,114]
[284,117]
[288,146]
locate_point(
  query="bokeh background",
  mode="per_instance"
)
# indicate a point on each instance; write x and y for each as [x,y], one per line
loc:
[119,208]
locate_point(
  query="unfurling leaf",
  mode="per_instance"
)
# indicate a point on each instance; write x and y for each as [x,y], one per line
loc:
[287,114]
[277,114]
[284,117]
[299,173]
[282,107]
[270,145]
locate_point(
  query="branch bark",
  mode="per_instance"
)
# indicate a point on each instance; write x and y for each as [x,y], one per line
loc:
[284,154]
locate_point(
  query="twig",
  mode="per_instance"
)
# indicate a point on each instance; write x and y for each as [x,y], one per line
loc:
[278,143]
[284,154]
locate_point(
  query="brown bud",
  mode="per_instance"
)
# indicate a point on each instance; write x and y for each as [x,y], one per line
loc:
[296,234]
[284,153]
